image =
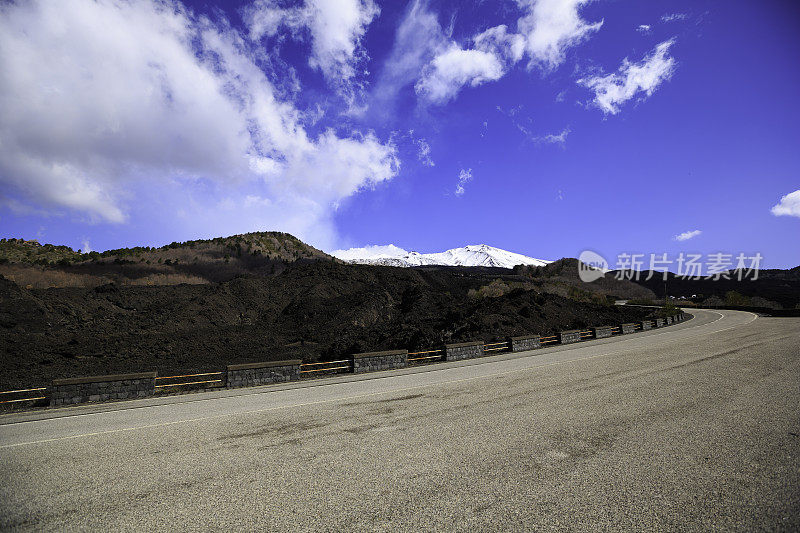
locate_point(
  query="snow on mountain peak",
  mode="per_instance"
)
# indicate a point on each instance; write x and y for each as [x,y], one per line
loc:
[470,255]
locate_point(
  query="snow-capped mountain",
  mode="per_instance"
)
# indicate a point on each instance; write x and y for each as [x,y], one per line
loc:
[471,255]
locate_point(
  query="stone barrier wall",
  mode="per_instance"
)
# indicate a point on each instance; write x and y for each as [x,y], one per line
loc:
[99,388]
[601,332]
[463,350]
[254,374]
[525,342]
[374,361]
[566,337]
[128,386]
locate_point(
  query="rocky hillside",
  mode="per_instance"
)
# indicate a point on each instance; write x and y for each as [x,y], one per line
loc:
[20,251]
[311,310]
[34,265]
[561,277]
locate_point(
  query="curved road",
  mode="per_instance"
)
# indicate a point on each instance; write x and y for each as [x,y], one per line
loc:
[692,427]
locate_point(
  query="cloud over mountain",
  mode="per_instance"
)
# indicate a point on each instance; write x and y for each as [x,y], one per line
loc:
[99,99]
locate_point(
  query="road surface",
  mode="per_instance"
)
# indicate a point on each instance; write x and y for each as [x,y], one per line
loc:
[691,427]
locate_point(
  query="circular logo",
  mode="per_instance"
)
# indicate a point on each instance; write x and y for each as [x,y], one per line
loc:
[591,266]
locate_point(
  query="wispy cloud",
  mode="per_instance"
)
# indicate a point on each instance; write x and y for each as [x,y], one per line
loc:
[335,30]
[644,28]
[550,138]
[788,206]
[424,153]
[526,127]
[419,38]
[672,17]
[614,90]
[463,177]
[686,235]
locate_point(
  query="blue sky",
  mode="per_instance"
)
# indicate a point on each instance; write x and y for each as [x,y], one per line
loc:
[544,127]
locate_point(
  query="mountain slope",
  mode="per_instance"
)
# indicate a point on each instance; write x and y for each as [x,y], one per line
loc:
[481,255]
[29,263]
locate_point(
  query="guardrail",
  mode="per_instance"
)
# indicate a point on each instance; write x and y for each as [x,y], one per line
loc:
[332,367]
[497,346]
[206,383]
[281,371]
[39,391]
[422,356]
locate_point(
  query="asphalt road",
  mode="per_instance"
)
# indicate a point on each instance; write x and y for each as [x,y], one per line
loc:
[692,427]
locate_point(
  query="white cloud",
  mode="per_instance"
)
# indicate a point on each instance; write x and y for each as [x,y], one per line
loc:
[672,17]
[788,206]
[374,251]
[551,27]
[613,90]
[418,39]
[546,31]
[336,28]
[101,100]
[86,246]
[498,42]
[686,235]
[553,138]
[334,168]
[463,177]
[443,78]
[424,53]
[643,28]
[424,153]
[454,67]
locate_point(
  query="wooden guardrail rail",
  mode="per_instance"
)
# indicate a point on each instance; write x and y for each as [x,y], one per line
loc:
[496,346]
[183,380]
[35,394]
[326,366]
[422,356]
